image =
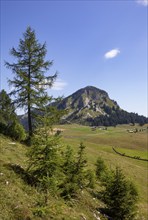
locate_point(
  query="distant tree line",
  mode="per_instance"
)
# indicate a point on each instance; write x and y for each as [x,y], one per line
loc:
[115,116]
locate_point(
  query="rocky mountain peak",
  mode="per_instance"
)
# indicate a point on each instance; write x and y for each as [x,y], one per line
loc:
[92,106]
[87,102]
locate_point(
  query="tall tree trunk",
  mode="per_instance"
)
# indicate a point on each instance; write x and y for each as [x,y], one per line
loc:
[29,103]
[29,119]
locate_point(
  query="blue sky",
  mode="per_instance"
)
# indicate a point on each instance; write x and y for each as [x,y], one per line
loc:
[99,43]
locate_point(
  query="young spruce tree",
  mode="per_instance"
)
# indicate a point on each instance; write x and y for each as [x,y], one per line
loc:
[44,155]
[120,196]
[30,82]
[76,176]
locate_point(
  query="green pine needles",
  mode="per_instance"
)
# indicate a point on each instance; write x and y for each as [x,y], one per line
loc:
[119,195]
[30,82]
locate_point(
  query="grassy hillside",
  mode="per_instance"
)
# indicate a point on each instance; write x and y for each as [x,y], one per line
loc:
[100,143]
[21,201]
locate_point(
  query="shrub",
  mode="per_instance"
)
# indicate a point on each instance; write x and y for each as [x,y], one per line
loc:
[16,131]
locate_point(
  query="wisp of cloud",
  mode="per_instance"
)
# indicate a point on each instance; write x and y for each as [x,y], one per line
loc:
[112,53]
[143,2]
[59,85]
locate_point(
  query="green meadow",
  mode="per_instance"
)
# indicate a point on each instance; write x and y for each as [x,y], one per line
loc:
[20,201]
[100,142]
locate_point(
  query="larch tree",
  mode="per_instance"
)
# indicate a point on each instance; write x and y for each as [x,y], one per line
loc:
[30,82]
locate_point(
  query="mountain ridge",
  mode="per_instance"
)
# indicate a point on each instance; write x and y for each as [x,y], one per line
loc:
[87,102]
[93,106]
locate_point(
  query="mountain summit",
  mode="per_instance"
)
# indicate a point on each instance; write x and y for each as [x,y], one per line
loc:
[88,102]
[92,106]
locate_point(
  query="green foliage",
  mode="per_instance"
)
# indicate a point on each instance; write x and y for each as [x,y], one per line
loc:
[54,174]
[44,160]
[7,109]
[9,124]
[100,167]
[48,116]
[44,155]
[80,165]
[3,128]
[120,196]
[76,176]
[30,82]
[117,116]
[90,176]
[40,211]
[16,131]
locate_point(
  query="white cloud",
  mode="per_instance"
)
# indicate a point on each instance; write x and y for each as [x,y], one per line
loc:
[112,53]
[142,2]
[59,84]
